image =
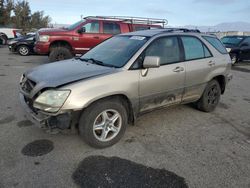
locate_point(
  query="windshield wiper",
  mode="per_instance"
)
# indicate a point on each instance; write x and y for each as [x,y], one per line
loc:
[95,61]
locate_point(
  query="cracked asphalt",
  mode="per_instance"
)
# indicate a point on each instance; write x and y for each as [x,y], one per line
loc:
[192,148]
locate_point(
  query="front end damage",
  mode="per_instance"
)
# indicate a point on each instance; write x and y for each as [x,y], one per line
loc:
[63,120]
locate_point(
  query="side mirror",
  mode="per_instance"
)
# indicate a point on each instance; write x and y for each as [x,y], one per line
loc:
[81,30]
[151,62]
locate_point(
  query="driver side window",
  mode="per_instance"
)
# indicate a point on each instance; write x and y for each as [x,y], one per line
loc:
[246,41]
[92,27]
[167,48]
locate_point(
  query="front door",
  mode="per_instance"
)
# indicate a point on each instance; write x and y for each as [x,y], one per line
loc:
[162,86]
[88,39]
[245,49]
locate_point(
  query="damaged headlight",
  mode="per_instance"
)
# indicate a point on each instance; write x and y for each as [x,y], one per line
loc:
[51,100]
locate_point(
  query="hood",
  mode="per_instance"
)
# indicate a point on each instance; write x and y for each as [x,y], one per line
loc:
[64,72]
[51,30]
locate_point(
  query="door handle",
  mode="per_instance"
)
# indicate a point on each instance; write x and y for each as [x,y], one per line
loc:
[178,69]
[211,63]
[96,37]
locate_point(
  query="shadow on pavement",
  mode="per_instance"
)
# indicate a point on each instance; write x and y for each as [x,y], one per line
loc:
[100,171]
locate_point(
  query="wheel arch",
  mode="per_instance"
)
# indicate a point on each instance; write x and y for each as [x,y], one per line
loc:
[222,82]
[124,100]
[60,43]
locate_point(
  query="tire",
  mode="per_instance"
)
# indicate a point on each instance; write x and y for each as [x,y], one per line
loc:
[210,97]
[234,58]
[60,53]
[23,50]
[95,115]
[3,39]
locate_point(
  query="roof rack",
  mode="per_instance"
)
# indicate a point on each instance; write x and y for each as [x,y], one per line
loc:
[184,30]
[132,20]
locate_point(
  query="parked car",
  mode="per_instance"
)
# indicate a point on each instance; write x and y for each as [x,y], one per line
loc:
[23,45]
[238,47]
[10,33]
[124,77]
[80,37]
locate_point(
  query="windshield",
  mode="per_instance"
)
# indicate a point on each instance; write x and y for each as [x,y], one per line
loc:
[232,40]
[73,26]
[116,51]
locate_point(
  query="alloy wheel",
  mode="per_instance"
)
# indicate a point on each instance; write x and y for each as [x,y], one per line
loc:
[107,125]
[213,95]
[23,50]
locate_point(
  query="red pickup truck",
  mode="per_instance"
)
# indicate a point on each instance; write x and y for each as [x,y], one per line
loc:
[80,37]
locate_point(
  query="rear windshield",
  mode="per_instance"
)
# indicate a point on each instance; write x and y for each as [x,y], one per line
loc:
[117,50]
[216,43]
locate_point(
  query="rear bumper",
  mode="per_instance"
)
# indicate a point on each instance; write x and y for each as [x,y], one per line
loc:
[42,48]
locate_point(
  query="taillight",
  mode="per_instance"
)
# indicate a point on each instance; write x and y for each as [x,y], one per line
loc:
[14,33]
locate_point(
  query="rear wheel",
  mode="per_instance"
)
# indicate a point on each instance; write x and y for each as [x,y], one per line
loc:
[60,53]
[103,123]
[210,98]
[23,50]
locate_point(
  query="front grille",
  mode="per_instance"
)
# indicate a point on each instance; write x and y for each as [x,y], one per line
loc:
[27,85]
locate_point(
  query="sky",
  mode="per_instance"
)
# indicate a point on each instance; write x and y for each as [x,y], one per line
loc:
[177,12]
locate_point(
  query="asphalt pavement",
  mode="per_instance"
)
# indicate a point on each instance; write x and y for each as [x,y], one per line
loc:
[175,147]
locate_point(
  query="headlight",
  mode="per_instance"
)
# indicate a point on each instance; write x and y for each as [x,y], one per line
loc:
[43,38]
[229,49]
[51,100]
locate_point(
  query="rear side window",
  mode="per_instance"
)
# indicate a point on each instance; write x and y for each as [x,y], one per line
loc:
[194,48]
[216,43]
[144,27]
[140,28]
[111,28]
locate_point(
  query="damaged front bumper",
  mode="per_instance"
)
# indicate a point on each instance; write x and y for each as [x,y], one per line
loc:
[63,120]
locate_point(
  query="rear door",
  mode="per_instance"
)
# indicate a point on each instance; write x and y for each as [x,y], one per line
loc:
[199,64]
[162,86]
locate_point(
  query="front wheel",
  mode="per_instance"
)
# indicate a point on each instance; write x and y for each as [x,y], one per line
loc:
[23,50]
[210,97]
[60,53]
[103,123]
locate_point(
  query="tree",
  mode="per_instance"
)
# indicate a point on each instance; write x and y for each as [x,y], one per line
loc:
[22,15]
[6,6]
[38,20]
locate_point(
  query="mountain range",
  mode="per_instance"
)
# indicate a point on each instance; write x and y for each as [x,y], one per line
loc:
[227,26]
